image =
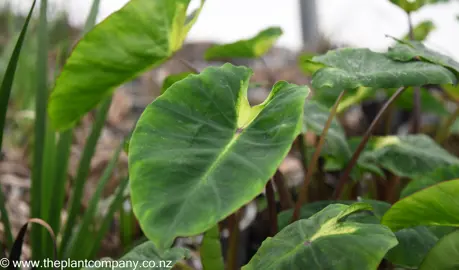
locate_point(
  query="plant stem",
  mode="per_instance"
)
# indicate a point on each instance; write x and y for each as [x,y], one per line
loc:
[189,66]
[345,176]
[233,228]
[271,208]
[315,158]
[392,188]
[416,122]
[443,132]
[285,198]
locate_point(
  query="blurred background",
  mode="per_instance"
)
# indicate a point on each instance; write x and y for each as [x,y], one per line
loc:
[313,26]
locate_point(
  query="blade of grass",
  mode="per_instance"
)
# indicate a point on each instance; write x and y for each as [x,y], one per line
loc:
[347,171]
[116,203]
[80,241]
[40,130]
[315,158]
[5,91]
[83,172]
[92,16]
[127,220]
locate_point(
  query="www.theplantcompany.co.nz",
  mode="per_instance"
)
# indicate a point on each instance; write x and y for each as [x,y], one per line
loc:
[103,264]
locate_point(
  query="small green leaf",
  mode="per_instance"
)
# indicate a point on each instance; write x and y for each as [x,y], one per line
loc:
[426,180]
[409,155]
[421,31]
[171,79]
[413,5]
[141,35]
[196,148]
[254,47]
[444,255]
[211,250]
[407,51]
[147,256]
[328,97]
[436,205]
[308,66]
[351,68]
[325,241]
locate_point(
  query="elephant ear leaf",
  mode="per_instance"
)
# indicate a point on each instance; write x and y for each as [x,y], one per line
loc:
[352,68]
[254,47]
[199,152]
[141,35]
[327,240]
[405,50]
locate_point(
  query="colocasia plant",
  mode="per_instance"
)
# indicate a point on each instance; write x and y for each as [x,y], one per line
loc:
[200,152]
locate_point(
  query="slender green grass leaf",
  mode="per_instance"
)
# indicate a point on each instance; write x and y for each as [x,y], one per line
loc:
[254,47]
[147,256]
[107,221]
[211,250]
[352,68]
[444,255]
[411,50]
[436,205]
[92,16]
[409,155]
[5,91]
[41,99]
[141,35]
[326,241]
[423,181]
[81,242]
[83,172]
[194,136]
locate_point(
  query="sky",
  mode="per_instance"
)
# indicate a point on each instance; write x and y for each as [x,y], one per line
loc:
[358,23]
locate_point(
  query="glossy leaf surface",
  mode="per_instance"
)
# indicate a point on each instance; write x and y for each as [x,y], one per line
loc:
[199,151]
[327,240]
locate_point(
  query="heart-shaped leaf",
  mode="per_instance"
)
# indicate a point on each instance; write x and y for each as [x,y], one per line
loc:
[141,35]
[410,50]
[147,256]
[409,155]
[248,48]
[444,255]
[199,152]
[436,205]
[327,240]
[351,68]
[413,5]
[426,180]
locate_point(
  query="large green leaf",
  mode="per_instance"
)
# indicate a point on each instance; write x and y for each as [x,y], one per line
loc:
[146,256]
[436,205]
[444,255]
[426,180]
[327,240]
[413,243]
[410,50]
[141,35]
[248,48]
[351,68]
[413,5]
[199,152]
[409,155]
